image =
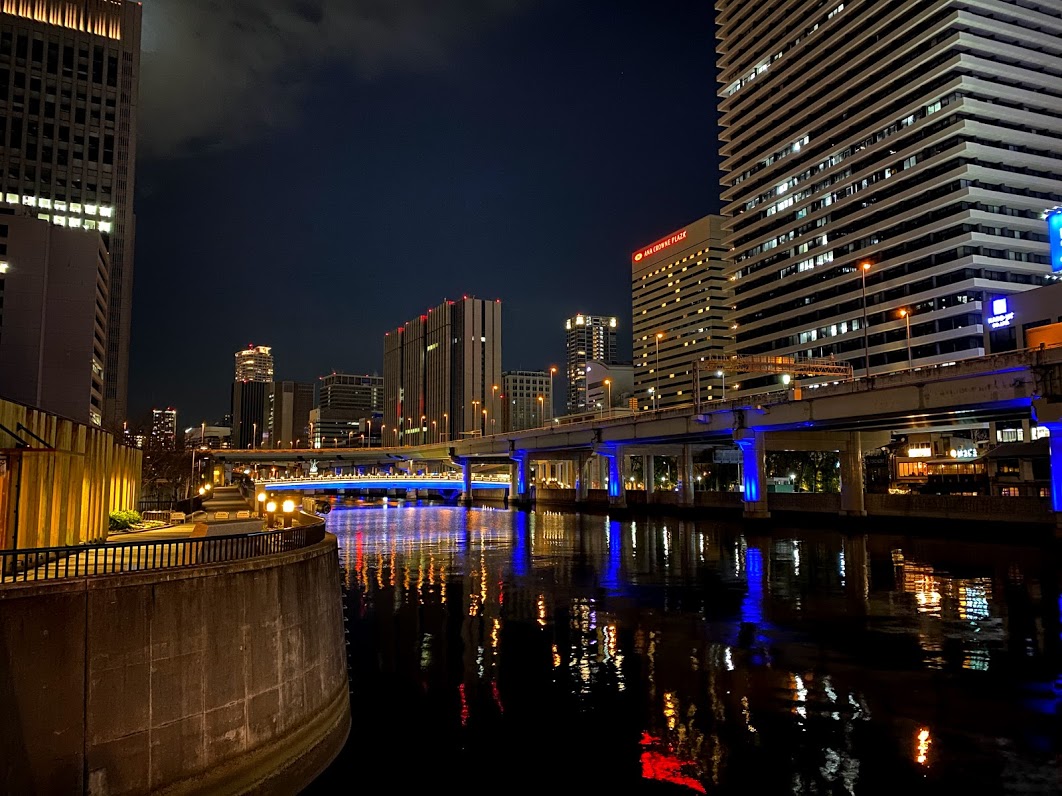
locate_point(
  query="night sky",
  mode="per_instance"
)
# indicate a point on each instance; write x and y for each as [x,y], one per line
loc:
[313,173]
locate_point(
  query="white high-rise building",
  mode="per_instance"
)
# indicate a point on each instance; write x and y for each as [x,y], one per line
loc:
[679,298]
[905,151]
[587,337]
[254,363]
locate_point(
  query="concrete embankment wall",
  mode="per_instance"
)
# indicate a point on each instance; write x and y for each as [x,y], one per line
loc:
[223,678]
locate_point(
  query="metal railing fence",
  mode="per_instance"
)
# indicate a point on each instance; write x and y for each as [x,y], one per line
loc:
[53,563]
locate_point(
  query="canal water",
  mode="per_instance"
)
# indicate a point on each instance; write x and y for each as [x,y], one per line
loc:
[516,652]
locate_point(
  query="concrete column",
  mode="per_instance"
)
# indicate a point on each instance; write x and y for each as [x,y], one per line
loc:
[853,503]
[581,486]
[686,475]
[520,479]
[1049,415]
[648,475]
[466,473]
[754,472]
[617,487]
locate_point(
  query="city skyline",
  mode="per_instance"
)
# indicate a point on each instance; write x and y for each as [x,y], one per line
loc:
[463,168]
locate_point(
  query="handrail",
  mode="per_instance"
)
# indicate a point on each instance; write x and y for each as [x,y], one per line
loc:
[79,561]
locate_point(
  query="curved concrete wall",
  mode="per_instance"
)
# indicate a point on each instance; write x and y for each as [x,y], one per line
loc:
[225,678]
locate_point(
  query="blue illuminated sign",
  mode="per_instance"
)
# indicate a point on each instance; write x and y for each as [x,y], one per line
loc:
[1001,315]
[1054,235]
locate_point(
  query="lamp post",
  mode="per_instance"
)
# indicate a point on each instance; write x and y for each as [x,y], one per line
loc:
[863,268]
[289,509]
[906,315]
[608,384]
[434,430]
[541,402]
[493,405]
[552,373]
[383,435]
[368,436]
[446,427]
[423,428]
[261,503]
[656,370]
[271,513]
[483,433]
[722,375]
[254,435]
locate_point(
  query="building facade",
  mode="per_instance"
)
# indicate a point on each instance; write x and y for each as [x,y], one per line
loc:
[213,437]
[680,300]
[164,429]
[442,374]
[69,82]
[608,385]
[880,158]
[254,363]
[586,337]
[346,391]
[527,399]
[250,413]
[289,407]
[54,326]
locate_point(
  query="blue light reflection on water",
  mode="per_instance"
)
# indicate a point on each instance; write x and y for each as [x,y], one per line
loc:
[616,639]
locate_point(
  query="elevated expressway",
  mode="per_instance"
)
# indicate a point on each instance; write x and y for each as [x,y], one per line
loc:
[847,416]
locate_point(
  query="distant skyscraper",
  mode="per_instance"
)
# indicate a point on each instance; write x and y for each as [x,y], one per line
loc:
[53,316]
[906,148]
[290,404]
[527,399]
[69,78]
[587,337]
[254,363]
[442,373]
[164,428]
[679,297]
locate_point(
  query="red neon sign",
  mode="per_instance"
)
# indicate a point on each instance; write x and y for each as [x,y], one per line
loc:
[659,246]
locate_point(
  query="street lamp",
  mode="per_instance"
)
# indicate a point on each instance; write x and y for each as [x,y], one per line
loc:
[289,508]
[423,430]
[368,436]
[656,370]
[493,404]
[863,268]
[483,433]
[608,383]
[906,315]
[271,511]
[541,401]
[261,503]
[383,435]
[254,436]
[446,426]
[552,373]
[722,375]
[434,430]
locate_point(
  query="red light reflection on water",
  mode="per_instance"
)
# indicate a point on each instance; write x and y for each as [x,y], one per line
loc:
[665,767]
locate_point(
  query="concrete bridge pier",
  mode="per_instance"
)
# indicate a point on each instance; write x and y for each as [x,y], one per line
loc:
[686,476]
[754,471]
[582,486]
[1049,415]
[853,488]
[520,479]
[648,474]
[466,474]
[613,458]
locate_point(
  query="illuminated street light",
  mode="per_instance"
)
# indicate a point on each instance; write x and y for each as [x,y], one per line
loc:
[656,370]
[863,268]
[906,315]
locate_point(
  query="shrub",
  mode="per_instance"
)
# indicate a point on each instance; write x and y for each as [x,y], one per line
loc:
[124,519]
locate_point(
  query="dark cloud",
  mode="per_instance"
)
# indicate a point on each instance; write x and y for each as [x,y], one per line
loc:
[216,72]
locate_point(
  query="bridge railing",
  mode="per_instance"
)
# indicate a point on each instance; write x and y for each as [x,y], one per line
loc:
[53,563]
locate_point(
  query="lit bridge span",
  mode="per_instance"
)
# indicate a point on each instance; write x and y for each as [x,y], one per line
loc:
[847,417]
[439,483]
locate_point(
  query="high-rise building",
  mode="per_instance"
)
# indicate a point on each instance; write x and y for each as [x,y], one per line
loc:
[586,337]
[254,363]
[69,78]
[526,399]
[442,374]
[53,316]
[250,413]
[679,298]
[349,410]
[880,157]
[164,429]
[346,391]
[289,407]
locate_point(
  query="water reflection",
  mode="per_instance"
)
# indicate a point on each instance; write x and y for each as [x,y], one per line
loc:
[569,650]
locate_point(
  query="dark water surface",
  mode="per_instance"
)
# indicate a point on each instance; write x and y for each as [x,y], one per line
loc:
[511,652]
